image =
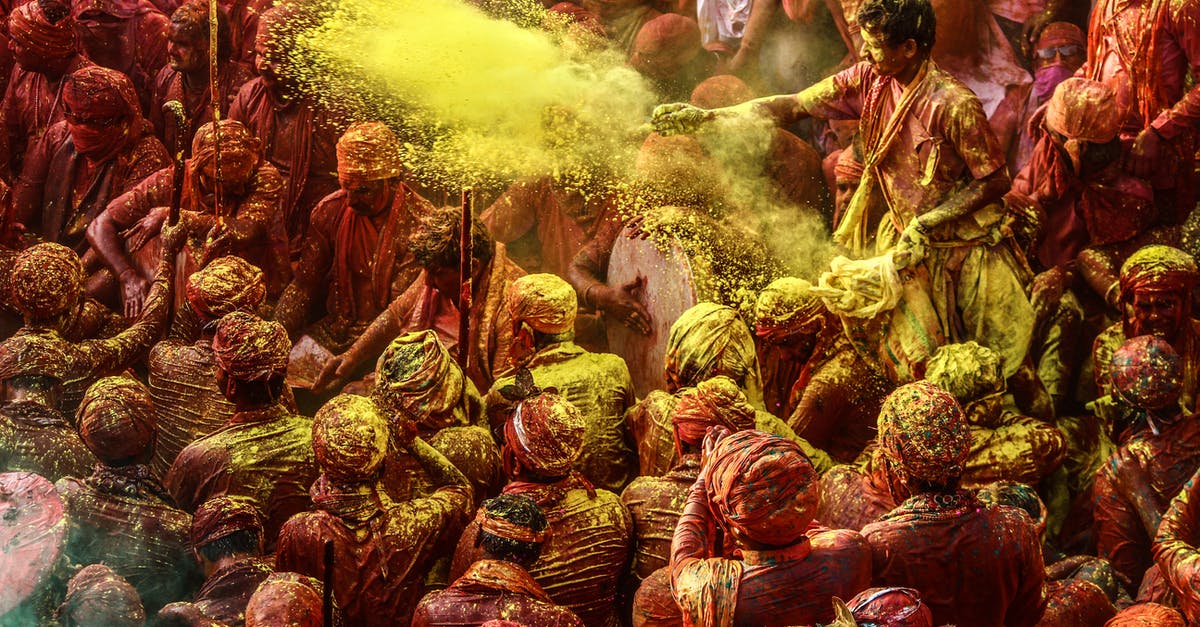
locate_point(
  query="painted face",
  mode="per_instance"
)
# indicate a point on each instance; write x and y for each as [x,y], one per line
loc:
[186,51]
[1156,313]
[888,60]
[366,197]
[1069,55]
[845,191]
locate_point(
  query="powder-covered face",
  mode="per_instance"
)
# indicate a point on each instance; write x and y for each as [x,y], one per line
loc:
[187,51]
[1157,313]
[888,60]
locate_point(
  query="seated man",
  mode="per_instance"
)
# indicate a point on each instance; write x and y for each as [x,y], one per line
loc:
[264,452]
[226,538]
[356,252]
[590,531]
[247,226]
[382,549]
[120,514]
[432,302]
[542,308]
[512,530]
[942,540]
[1175,548]
[1134,487]
[182,373]
[35,436]
[764,492]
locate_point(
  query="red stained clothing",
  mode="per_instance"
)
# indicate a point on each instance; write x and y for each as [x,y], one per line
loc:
[1175,548]
[490,590]
[1133,489]
[655,505]
[265,456]
[32,103]
[196,99]
[588,549]
[790,586]
[187,402]
[851,499]
[62,191]
[974,564]
[299,139]
[142,40]
[35,438]
[382,549]
[224,596]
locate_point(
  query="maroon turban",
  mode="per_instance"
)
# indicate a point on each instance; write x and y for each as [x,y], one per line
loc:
[848,169]
[763,486]
[1147,615]
[923,431]
[665,44]
[226,285]
[123,9]
[28,26]
[116,419]
[46,281]
[714,402]
[98,596]
[349,438]
[286,599]
[891,607]
[1147,372]
[95,92]
[37,354]
[545,434]
[249,348]
[723,90]
[1157,268]
[222,516]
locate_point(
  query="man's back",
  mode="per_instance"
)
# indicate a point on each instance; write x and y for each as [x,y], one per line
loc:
[488,590]
[974,564]
[187,401]
[35,438]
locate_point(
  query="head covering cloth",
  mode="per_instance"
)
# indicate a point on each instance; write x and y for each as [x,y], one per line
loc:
[101,92]
[891,607]
[722,90]
[763,486]
[1158,268]
[923,432]
[544,301]
[123,9]
[1057,34]
[240,149]
[714,402]
[369,151]
[249,348]
[223,516]
[417,379]
[288,599]
[1147,615]
[98,596]
[1147,372]
[225,285]
[786,304]
[545,433]
[1083,110]
[349,438]
[46,281]
[116,419]
[710,340]
[33,354]
[665,44]
[848,169]
[967,371]
[29,27]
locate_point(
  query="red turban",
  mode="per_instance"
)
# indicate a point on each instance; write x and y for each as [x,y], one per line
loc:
[545,434]
[723,90]
[848,169]
[349,438]
[28,26]
[763,486]
[288,599]
[1147,615]
[241,151]
[716,401]
[417,379]
[1061,34]
[249,348]
[369,151]
[97,91]
[123,9]
[922,431]
[665,44]
[222,516]
[1147,372]
[34,353]
[98,596]
[46,281]
[710,340]
[544,301]
[577,17]
[116,419]
[226,285]
[891,607]
[1158,268]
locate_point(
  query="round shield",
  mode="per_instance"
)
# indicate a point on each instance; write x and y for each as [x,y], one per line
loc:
[33,536]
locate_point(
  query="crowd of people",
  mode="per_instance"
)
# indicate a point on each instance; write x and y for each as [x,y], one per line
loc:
[256,371]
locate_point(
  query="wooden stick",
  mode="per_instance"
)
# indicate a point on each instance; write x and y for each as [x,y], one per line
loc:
[464,276]
[214,92]
[176,113]
[327,601]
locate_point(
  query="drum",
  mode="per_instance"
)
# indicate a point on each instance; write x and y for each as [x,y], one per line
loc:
[33,538]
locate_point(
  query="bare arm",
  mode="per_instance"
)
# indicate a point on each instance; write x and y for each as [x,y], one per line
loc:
[976,195]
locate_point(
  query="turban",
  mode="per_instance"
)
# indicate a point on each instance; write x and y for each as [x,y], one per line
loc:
[40,354]
[763,486]
[723,90]
[249,348]
[223,516]
[369,150]
[545,301]
[241,151]
[288,599]
[1159,268]
[710,340]
[123,9]
[1147,372]
[891,607]
[787,303]
[1061,34]
[100,92]
[1084,110]
[491,518]
[848,168]
[1148,615]
[922,431]
[576,17]
[28,26]
[545,434]
[46,281]
[349,438]
[967,371]
[417,379]
[716,401]
[116,419]
[226,285]
[665,44]
[98,596]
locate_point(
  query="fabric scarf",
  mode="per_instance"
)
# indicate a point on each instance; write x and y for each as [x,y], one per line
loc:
[707,592]
[878,138]
[355,503]
[488,575]
[355,233]
[547,494]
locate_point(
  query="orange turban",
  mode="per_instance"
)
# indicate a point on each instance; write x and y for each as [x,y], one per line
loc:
[46,281]
[1147,615]
[545,434]
[417,379]
[226,285]
[241,150]
[98,596]
[922,431]
[848,168]
[1160,268]
[370,151]
[349,438]
[116,419]
[222,516]
[544,301]
[716,401]
[665,44]
[249,348]
[1084,110]
[288,599]
[763,486]
[723,90]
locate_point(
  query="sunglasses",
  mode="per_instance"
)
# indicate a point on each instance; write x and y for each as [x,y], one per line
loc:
[1069,50]
[78,120]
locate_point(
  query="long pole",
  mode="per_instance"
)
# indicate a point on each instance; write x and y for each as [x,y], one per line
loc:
[327,600]
[178,115]
[214,92]
[464,275]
